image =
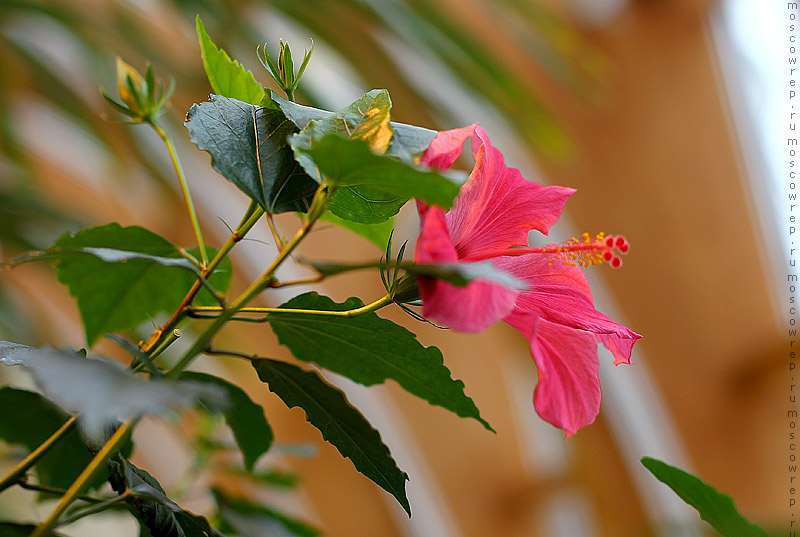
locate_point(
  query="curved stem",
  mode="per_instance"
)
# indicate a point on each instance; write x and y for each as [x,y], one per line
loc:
[184,187]
[373,306]
[97,508]
[53,490]
[74,490]
[13,476]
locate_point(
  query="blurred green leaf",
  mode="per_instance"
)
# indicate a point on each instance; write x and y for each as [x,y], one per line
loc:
[369,350]
[340,424]
[716,508]
[227,77]
[245,418]
[248,147]
[249,519]
[30,419]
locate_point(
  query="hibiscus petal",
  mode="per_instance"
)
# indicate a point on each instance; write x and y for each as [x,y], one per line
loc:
[466,309]
[446,147]
[497,207]
[560,294]
[568,393]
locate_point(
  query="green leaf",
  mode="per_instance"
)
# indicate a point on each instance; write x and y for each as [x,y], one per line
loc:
[369,350]
[340,424]
[408,140]
[244,517]
[248,147]
[129,277]
[227,77]
[364,205]
[245,418]
[459,274]
[378,233]
[30,419]
[151,506]
[716,508]
[351,163]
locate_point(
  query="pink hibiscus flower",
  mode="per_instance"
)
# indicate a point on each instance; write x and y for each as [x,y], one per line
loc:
[490,219]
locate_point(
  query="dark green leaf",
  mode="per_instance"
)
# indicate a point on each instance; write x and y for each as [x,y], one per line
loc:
[714,507]
[340,424]
[121,276]
[227,77]
[364,205]
[369,350]
[245,518]
[244,417]
[351,163]
[248,147]
[459,274]
[30,419]
[151,506]
[378,233]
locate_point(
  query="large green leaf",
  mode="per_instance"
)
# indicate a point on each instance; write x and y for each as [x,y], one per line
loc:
[12,529]
[369,350]
[340,424]
[346,162]
[122,276]
[150,505]
[248,147]
[227,77]
[30,419]
[249,519]
[245,418]
[716,508]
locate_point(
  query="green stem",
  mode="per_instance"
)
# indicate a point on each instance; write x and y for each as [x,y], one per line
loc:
[184,187]
[373,306]
[101,506]
[74,490]
[53,490]
[13,476]
[254,212]
[202,342]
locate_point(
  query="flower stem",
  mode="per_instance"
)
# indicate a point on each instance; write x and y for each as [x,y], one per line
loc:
[184,187]
[373,306]
[263,281]
[254,212]
[74,490]
[13,476]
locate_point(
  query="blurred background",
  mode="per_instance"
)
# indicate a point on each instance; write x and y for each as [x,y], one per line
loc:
[665,115]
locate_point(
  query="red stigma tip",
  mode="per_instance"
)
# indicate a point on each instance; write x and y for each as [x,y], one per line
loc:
[616,262]
[620,241]
[610,241]
[608,256]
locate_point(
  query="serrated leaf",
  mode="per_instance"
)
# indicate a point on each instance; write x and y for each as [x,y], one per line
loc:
[716,508]
[102,392]
[346,162]
[245,418]
[342,425]
[378,233]
[248,147]
[227,77]
[369,350]
[459,274]
[155,511]
[30,419]
[122,276]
